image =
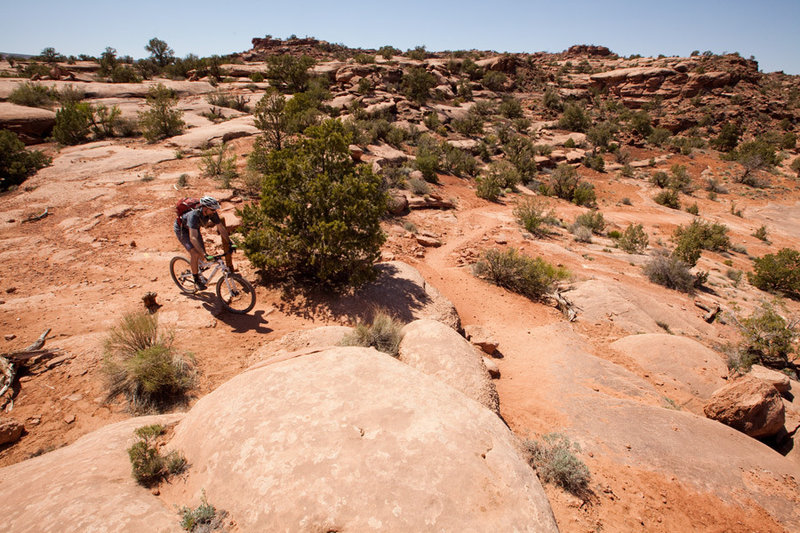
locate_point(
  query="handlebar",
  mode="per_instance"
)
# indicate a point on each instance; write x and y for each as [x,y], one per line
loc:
[233,248]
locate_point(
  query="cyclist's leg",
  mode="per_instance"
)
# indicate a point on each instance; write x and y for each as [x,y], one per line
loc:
[194,256]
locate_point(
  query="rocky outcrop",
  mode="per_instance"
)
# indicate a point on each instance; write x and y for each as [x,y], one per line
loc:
[749,405]
[664,82]
[437,350]
[31,124]
[351,439]
[86,486]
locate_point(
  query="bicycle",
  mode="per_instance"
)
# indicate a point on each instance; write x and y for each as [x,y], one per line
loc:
[235,293]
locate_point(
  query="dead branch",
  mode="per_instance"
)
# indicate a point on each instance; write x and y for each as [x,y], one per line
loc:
[34,218]
[566,307]
[9,361]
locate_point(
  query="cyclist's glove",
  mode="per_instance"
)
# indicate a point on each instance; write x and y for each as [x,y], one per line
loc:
[209,257]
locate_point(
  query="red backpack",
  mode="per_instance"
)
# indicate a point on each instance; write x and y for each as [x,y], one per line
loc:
[184,206]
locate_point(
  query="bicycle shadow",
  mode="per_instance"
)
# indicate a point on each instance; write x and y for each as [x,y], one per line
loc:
[253,321]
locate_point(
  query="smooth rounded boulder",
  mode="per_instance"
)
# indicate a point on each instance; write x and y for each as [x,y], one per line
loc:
[350,439]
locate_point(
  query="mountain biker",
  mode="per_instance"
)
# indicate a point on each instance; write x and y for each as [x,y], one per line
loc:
[187,229]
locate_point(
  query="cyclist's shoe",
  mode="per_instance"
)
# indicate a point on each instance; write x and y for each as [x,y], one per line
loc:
[200,282]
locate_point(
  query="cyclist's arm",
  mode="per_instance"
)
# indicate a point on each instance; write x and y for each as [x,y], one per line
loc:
[226,244]
[194,237]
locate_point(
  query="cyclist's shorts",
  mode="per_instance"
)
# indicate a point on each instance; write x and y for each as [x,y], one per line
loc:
[183,235]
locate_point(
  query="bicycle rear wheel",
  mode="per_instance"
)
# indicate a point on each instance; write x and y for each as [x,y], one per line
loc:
[181,272]
[236,294]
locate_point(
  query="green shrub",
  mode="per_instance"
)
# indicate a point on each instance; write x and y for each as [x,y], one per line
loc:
[417,84]
[458,162]
[470,124]
[73,122]
[534,215]
[551,100]
[693,209]
[754,155]
[668,198]
[669,271]
[488,186]
[215,164]
[659,136]
[270,117]
[140,363]
[634,239]
[162,119]
[494,80]
[690,240]
[160,52]
[147,464]
[388,51]
[574,118]
[256,77]
[418,53]
[428,157]
[592,220]
[680,179]
[510,108]
[768,338]
[17,163]
[531,277]
[555,462]
[728,137]
[384,334]
[777,272]
[520,152]
[761,234]
[32,95]
[319,215]
[660,179]
[496,177]
[106,121]
[640,123]
[788,141]
[600,135]
[419,187]
[237,102]
[595,162]
[288,73]
[565,184]
[203,519]
[124,74]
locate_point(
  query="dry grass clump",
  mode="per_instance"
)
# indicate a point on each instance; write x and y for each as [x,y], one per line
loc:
[141,363]
[384,334]
[147,463]
[555,462]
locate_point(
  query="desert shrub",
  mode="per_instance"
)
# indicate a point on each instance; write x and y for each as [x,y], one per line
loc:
[531,277]
[600,135]
[140,363]
[162,119]
[534,215]
[594,161]
[205,518]
[520,152]
[488,186]
[690,240]
[419,187]
[693,209]
[574,118]
[552,100]
[668,198]
[470,124]
[387,51]
[581,233]
[510,108]
[32,95]
[458,162]
[17,163]
[788,141]
[768,338]
[270,117]
[496,177]
[777,272]
[634,239]
[715,186]
[216,164]
[494,80]
[160,52]
[728,137]
[288,73]
[106,121]
[754,155]
[147,464]
[124,74]
[319,214]
[659,136]
[417,84]
[640,123]
[237,102]
[564,182]
[418,53]
[555,462]
[384,334]
[761,234]
[428,157]
[73,122]
[669,271]
[592,220]
[660,179]
[679,179]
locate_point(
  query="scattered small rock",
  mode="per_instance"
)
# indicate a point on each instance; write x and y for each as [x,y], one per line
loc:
[10,337]
[11,290]
[481,338]
[76,397]
[491,366]
[10,431]
[69,419]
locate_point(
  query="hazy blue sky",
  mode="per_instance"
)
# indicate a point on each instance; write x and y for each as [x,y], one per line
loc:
[768,30]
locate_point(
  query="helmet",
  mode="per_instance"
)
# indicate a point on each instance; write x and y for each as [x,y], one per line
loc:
[209,202]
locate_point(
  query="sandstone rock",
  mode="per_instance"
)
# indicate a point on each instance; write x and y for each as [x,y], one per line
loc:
[398,203]
[402,291]
[86,486]
[437,350]
[356,153]
[492,368]
[10,431]
[353,440]
[749,405]
[386,153]
[341,102]
[774,378]
[480,337]
[430,201]
[470,145]
[200,137]
[381,108]
[428,242]
[303,341]
[31,124]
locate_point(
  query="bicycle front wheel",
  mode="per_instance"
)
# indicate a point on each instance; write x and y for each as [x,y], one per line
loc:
[236,294]
[181,272]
